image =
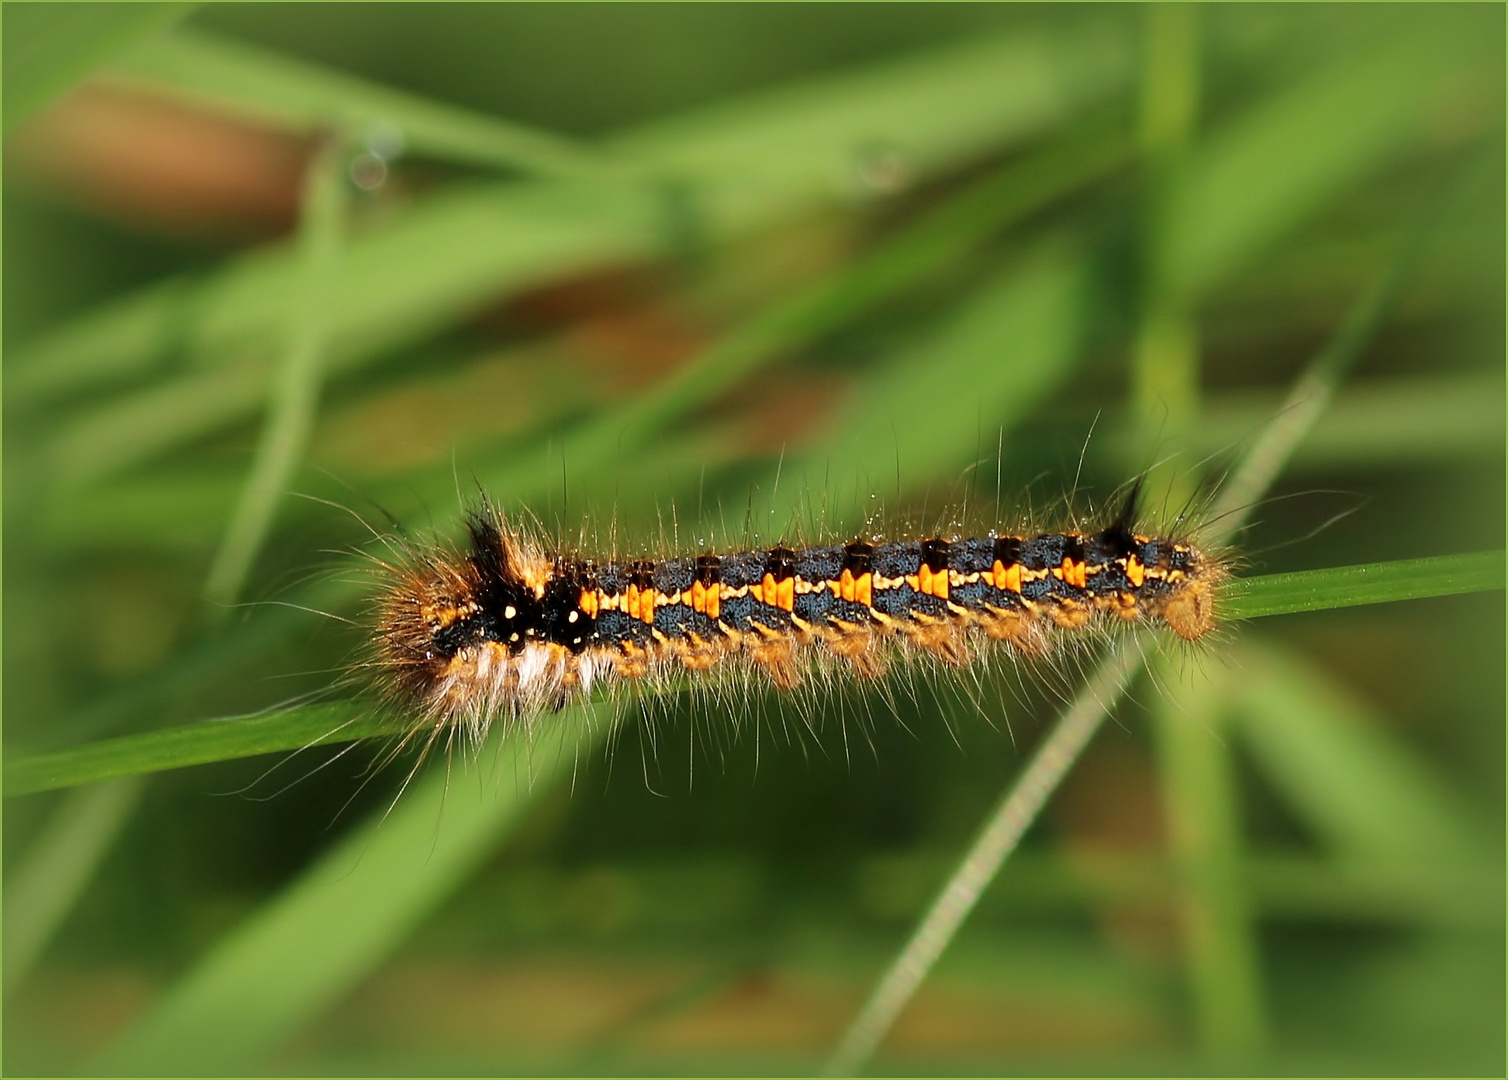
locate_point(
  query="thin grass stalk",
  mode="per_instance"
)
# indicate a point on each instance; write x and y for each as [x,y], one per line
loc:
[1002,832]
[296,383]
[1316,387]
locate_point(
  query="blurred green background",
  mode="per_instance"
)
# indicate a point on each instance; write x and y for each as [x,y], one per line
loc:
[703,271]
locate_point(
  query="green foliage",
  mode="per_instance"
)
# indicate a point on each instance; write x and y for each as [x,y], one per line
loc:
[695,275]
[1352,586]
[48,47]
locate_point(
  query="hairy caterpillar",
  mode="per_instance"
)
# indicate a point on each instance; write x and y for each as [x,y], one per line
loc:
[509,628]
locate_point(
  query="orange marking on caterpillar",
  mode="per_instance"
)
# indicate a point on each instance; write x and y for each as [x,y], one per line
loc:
[1007,578]
[932,583]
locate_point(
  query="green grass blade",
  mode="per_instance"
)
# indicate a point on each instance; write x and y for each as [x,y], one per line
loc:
[270,88]
[802,145]
[1207,845]
[194,744]
[48,47]
[258,986]
[51,875]
[1383,421]
[296,383]
[1268,170]
[1196,773]
[1002,831]
[437,264]
[1310,397]
[317,725]
[1354,586]
[463,248]
[1364,792]
[1012,342]
[922,248]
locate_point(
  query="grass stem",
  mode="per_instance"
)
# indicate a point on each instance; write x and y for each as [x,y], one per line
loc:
[296,383]
[999,837]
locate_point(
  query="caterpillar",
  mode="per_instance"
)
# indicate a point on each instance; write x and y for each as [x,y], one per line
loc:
[509,628]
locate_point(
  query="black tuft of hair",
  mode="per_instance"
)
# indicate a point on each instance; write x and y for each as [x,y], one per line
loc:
[1119,536]
[1125,520]
[489,555]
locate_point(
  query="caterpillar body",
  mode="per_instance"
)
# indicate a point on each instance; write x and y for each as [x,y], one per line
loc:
[508,628]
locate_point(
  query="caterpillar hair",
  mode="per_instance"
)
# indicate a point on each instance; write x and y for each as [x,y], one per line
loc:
[509,628]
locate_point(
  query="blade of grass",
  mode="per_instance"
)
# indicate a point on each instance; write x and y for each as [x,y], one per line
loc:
[1165,360]
[196,744]
[1371,583]
[920,249]
[1013,342]
[49,47]
[296,384]
[439,262]
[318,725]
[803,145]
[1260,175]
[1316,387]
[51,875]
[1366,794]
[463,248]
[272,88]
[296,955]
[1002,832]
